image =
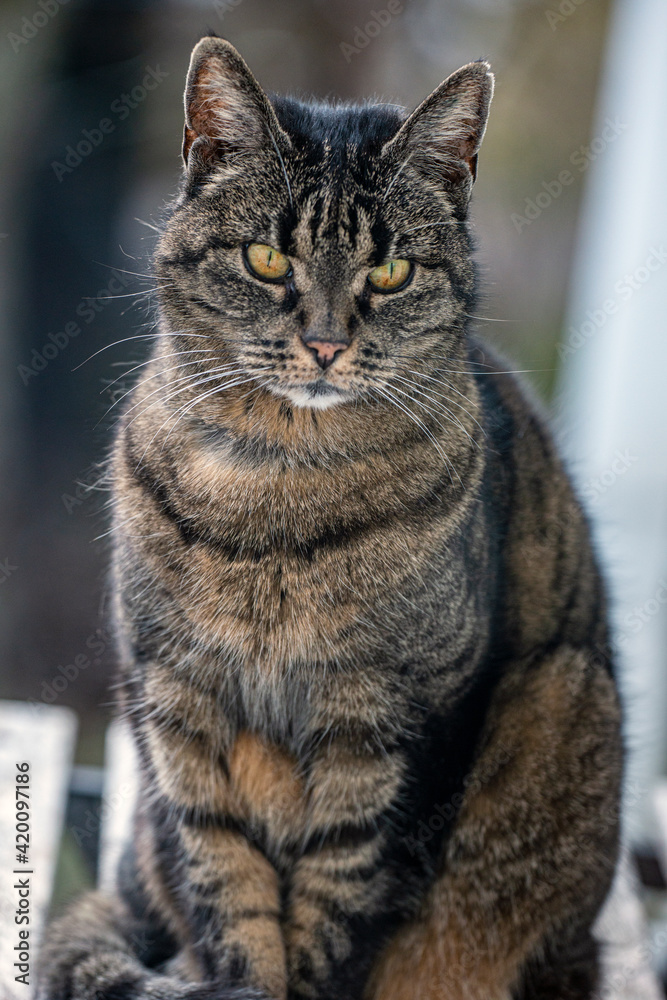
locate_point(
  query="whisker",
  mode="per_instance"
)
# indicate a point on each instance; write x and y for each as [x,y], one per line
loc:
[387,395]
[212,373]
[192,384]
[211,392]
[136,274]
[488,319]
[148,224]
[161,357]
[452,388]
[492,371]
[150,379]
[129,295]
[142,336]
[440,407]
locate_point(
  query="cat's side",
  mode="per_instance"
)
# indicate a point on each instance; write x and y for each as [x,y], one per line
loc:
[362,632]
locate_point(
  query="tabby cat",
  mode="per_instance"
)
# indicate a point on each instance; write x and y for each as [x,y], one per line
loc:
[362,631]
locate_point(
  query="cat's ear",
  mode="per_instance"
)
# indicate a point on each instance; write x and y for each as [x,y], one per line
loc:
[443,135]
[226,110]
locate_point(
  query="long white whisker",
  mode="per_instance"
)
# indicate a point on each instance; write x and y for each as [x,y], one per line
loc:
[453,388]
[144,381]
[192,383]
[441,408]
[444,383]
[211,392]
[187,379]
[148,224]
[132,295]
[137,274]
[488,319]
[387,395]
[142,336]
[163,424]
[162,357]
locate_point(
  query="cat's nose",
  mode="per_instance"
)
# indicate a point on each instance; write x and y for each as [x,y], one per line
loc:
[326,351]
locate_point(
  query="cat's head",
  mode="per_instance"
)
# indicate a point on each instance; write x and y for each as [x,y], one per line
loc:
[323,247]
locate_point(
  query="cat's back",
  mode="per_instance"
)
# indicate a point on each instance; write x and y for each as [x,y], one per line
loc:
[552,589]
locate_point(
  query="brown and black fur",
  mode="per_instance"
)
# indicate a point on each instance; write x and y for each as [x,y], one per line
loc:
[364,651]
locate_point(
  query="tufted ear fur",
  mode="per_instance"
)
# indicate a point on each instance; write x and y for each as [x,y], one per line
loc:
[226,110]
[443,135]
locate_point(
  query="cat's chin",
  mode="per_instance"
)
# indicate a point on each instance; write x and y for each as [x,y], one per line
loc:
[313,396]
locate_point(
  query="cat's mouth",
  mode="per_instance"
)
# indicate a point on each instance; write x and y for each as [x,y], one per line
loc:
[319,394]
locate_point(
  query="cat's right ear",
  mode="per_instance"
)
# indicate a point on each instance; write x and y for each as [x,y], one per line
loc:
[226,110]
[442,137]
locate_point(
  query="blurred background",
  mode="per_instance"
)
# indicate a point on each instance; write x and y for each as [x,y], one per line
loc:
[569,212]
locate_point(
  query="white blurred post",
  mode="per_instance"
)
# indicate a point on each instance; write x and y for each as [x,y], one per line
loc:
[613,400]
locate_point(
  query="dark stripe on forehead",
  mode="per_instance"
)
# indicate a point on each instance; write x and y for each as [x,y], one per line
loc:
[383,239]
[351,225]
[315,220]
[285,225]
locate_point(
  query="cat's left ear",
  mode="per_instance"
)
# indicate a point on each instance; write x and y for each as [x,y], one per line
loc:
[226,110]
[443,135]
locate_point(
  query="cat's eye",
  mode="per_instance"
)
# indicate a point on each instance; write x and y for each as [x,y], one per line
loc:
[266,262]
[391,276]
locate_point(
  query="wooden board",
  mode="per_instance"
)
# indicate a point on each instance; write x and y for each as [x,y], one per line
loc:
[42,736]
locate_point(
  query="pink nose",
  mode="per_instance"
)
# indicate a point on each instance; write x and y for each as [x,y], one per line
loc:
[326,351]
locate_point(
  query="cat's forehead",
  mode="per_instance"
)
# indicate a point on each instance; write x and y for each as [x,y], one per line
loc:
[315,125]
[339,176]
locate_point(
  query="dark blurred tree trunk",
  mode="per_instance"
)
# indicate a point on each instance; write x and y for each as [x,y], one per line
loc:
[72,182]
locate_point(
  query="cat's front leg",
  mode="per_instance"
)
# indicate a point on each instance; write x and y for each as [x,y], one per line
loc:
[226,891]
[532,852]
[340,885]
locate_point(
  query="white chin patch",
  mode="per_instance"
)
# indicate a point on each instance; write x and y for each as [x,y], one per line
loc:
[312,400]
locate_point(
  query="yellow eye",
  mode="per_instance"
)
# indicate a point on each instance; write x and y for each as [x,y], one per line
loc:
[391,276]
[266,263]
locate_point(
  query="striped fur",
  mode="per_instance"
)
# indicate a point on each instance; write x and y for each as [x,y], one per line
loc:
[362,633]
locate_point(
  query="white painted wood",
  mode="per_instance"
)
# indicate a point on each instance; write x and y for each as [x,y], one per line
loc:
[120,790]
[627,947]
[660,808]
[43,735]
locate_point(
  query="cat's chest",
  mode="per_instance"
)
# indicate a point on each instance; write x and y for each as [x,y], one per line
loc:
[297,762]
[295,568]
[272,612]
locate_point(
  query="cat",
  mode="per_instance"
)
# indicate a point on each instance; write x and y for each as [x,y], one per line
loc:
[362,633]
